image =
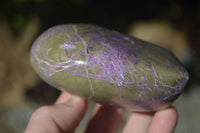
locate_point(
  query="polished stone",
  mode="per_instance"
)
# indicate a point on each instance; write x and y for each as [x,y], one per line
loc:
[108,67]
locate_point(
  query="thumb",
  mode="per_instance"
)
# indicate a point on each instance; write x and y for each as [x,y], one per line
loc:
[61,117]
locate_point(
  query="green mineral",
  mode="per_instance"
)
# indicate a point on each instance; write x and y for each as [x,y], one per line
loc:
[108,67]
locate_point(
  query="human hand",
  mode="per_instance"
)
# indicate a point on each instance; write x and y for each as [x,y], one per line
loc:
[64,117]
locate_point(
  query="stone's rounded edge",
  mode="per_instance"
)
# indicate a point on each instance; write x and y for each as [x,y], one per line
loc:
[142,105]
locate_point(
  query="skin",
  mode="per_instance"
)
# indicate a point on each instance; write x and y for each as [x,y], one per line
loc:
[64,117]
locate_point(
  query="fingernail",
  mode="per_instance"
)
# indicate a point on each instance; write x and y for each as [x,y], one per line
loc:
[120,110]
[72,100]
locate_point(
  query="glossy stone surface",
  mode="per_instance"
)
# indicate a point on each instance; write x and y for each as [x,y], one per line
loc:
[108,67]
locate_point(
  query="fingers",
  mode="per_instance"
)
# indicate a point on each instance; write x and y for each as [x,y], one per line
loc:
[61,117]
[164,121]
[138,123]
[66,116]
[106,119]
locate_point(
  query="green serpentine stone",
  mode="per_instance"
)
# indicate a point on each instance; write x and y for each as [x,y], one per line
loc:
[108,67]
